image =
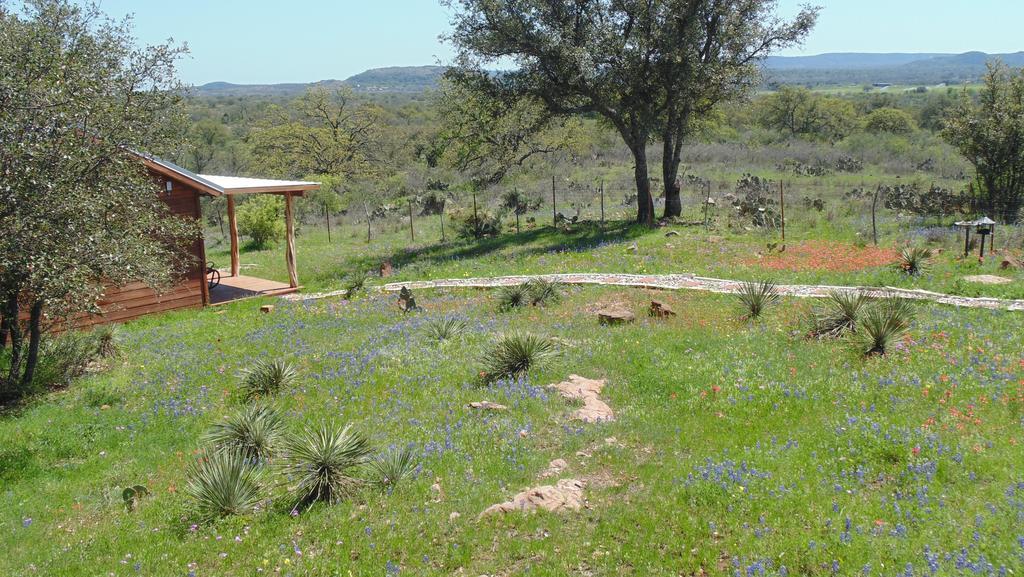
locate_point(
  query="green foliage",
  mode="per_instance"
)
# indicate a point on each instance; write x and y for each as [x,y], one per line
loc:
[514,354]
[322,463]
[79,213]
[990,135]
[839,315]
[106,337]
[393,467]
[445,328]
[883,326]
[756,297]
[512,297]
[479,224]
[889,121]
[914,260]
[799,112]
[62,359]
[224,483]
[131,496]
[255,431]
[543,292]
[261,218]
[266,378]
[355,283]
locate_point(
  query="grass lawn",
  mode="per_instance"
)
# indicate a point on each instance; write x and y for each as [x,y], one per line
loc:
[739,448]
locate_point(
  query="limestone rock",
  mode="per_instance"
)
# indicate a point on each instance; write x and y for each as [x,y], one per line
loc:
[566,495]
[555,468]
[988,279]
[266,309]
[594,410]
[661,310]
[1010,262]
[615,315]
[486,406]
[386,269]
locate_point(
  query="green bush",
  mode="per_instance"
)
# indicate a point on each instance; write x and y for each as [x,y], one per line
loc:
[840,314]
[267,377]
[514,354]
[64,358]
[224,483]
[393,467]
[254,431]
[445,329]
[323,461]
[261,219]
[889,121]
[483,224]
[756,297]
[883,325]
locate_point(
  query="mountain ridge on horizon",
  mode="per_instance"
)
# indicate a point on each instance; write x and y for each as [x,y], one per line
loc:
[819,69]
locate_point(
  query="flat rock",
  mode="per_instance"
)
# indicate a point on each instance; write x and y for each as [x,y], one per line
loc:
[1009,263]
[988,279]
[615,315]
[594,409]
[661,310]
[267,309]
[555,468]
[566,495]
[486,406]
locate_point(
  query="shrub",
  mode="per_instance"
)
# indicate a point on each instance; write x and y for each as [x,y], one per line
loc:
[914,260]
[267,377]
[883,325]
[392,467]
[106,337]
[542,292]
[254,431]
[840,314]
[354,283]
[890,121]
[445,328]
[261,219]
[63,359]
[514,354]
[224,483]
[512,297]
[322,462]
[483,224]
[756,297]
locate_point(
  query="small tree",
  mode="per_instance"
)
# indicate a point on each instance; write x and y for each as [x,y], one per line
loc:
[261,218]
[78,211]
[889,121]
[990,135]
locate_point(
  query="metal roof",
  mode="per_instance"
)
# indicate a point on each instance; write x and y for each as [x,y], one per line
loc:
[220,185]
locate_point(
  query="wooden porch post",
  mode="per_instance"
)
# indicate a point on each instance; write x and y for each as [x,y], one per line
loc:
[233,232]
[293,277]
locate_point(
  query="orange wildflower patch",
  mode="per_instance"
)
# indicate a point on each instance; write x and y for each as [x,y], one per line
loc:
[829,256]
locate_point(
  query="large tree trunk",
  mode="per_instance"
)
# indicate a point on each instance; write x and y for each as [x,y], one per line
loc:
[35,334]
[644,200]
[5,328]
[670,172]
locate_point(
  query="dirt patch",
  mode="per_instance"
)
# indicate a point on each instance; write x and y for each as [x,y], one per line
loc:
[827,256]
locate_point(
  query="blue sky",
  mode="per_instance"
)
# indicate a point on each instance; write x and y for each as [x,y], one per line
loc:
[270,41]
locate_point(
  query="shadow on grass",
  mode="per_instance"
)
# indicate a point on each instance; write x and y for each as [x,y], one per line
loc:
[580,237]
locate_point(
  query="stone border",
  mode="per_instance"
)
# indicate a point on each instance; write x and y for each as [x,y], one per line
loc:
[693,282]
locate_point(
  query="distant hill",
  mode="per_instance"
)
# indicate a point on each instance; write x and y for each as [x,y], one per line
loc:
[818,70]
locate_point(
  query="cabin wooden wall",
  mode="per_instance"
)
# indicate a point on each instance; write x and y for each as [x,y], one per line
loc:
[120,304]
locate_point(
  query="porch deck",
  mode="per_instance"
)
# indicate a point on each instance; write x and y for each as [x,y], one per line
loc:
[233,288]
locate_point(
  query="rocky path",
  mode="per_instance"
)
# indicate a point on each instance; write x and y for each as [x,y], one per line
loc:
[693,282]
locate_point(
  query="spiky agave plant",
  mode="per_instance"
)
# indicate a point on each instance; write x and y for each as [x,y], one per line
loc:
[883,325]
[266,378]
[393,467]
[756,297]
[445,328]
[914,260]
[513,297]
[224,483]
[255,431]
[514,354]
[840,314]
[323,462]
[541,291]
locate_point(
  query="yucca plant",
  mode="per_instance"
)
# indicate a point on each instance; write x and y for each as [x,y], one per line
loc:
[224,483]
[354,283]
[840,314]
[541,292]
[106,340]
[514,354]
[914,260]
[512,297]
[884,325]
[756,297]
[392,467]
[268,377]
[445,328]
[255,431]
[323,463]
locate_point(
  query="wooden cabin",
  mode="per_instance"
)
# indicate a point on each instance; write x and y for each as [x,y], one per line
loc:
[182,190]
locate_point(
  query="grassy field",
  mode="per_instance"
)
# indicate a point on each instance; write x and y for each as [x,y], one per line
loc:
[740,448]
